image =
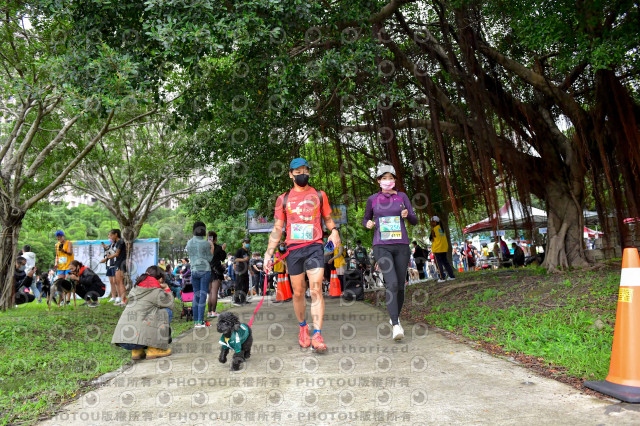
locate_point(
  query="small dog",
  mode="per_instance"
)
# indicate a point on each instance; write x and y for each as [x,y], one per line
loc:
[414,275]
[46,287]
[187,313]
[236,336]
[62,287]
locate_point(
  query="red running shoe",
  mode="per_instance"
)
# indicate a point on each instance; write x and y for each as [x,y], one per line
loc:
[303,337]
[317,343]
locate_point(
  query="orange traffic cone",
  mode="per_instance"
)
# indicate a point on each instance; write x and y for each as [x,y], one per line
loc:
[460,268]
[334,285]
[288,295]
[623,381]
[280,288]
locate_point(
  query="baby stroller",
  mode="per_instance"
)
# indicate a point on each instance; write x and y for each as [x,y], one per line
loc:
[227,288]
[186,294]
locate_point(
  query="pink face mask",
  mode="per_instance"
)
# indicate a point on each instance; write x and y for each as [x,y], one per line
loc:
[387,184]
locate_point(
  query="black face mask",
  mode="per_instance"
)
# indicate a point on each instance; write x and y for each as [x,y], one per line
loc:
[301,180]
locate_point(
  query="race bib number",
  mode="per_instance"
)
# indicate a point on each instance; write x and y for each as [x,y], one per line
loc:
[62,260]
[302,231]
[390,228]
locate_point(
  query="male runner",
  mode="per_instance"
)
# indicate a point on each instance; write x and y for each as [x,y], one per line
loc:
[303,208]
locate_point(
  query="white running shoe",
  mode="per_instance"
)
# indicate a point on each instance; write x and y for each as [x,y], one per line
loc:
[442,281]
[113,299]
[450,278]
[398,332]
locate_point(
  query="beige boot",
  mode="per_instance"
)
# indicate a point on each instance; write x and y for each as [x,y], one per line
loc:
[137,354]
[153,353]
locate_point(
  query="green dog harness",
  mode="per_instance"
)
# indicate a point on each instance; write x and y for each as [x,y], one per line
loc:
[237,338]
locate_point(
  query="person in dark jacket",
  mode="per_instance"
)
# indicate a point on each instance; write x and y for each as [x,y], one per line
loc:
[361,256]
[518,255]
[22,281]
[185,269]
[420,256]
[217,273]
[90,287]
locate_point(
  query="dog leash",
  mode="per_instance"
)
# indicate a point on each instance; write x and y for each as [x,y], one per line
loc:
[266,281]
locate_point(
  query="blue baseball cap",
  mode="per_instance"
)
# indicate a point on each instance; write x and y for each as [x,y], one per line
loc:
[298,162]
[59,233]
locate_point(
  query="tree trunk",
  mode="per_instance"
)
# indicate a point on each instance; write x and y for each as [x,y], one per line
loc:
[343,177]
[11,224]
[391,146]
[129,235]
[444,223]
[564,229]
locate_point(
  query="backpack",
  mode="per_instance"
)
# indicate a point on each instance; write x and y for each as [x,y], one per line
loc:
[286,198]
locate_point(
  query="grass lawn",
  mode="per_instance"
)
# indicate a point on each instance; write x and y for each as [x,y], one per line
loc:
[559,324]
[47,358]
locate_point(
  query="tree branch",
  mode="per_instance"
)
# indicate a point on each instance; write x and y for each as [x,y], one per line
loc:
[16,161]
[63,175]
[387,11]
[132,120]
[17,128]
[160,201]
[39,160]
[537,81]
[105,179]
[413,123]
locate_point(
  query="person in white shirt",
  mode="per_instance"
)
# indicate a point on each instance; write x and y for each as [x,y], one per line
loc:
[30,256]
[31,263]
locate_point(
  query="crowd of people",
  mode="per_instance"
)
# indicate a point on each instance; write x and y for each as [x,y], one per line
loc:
[297,247]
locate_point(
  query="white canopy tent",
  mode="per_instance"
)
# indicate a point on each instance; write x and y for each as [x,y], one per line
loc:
[513,214]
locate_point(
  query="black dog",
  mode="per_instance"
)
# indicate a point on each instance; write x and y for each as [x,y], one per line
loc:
[187,313]
[235,336]
[46,287]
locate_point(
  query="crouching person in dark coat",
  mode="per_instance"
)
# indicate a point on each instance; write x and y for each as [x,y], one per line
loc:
[89,285]
[144,327]
[22,281]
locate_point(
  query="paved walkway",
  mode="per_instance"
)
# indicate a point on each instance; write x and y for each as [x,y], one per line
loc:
[365,378]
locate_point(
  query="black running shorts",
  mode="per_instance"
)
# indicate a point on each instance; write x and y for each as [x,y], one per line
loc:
[305,258]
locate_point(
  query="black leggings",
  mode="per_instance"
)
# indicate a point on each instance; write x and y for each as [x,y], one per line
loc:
[420,268]
[214,287]
[393,261]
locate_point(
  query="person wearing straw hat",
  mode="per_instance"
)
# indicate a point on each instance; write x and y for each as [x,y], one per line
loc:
[440,247]
[386,211]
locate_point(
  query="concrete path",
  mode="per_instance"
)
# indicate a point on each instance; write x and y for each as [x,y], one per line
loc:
[364,378]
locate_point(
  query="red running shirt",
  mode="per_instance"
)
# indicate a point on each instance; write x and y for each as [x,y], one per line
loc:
[303,217]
